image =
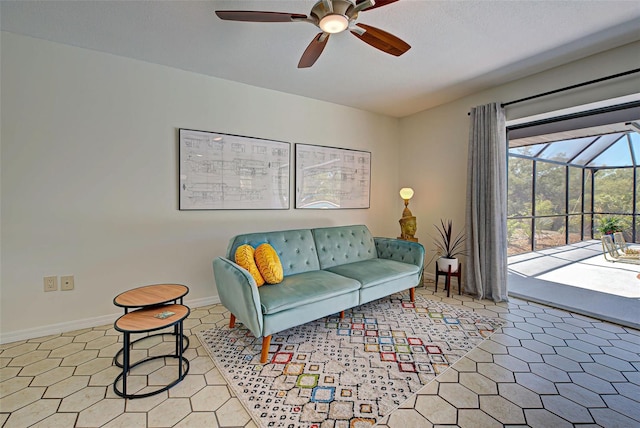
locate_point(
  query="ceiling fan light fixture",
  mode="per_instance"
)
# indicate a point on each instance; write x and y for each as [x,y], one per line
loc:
[334,23]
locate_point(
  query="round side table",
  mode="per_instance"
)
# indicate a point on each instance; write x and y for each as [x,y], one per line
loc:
[151,295]
[147,320]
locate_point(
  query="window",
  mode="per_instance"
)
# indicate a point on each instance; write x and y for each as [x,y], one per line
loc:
[560,183]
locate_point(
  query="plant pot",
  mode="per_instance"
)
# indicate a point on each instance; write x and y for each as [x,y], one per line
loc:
[444,263]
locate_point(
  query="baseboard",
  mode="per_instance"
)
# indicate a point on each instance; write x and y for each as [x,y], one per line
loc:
[64,327]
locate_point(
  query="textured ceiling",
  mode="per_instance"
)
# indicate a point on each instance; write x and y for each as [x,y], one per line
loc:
[458,47]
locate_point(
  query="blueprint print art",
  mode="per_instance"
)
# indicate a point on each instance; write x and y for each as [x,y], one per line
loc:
[223,171]
[331,178]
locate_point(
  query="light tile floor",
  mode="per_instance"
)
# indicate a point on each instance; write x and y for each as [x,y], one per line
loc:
[545,368]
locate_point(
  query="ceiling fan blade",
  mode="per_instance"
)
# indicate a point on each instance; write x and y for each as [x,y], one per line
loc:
[257,16]
[313,51]
[379,3]
[382,40]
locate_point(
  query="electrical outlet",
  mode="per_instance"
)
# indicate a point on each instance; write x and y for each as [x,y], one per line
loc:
[66,283]
[50,283]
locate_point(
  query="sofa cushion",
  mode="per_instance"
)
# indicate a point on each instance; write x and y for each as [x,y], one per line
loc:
[245,258]
[269,264]
[296,248]
[304,288]
[344,244]
[375,271]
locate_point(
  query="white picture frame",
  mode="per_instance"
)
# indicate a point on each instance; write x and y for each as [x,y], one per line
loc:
[220,171]
[332,178]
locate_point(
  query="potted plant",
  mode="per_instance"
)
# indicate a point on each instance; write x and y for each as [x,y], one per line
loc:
[448,247]
[609,224]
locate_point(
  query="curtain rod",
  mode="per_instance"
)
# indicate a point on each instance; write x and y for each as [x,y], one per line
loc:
[578,85]
[567,88]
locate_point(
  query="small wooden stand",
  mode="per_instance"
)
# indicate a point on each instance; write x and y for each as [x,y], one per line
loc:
[447,282]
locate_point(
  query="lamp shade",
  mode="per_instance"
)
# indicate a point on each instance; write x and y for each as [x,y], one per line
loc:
[406,193]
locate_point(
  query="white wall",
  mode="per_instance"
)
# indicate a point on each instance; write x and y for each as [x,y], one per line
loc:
[89,177]
[89,170]
[434,142]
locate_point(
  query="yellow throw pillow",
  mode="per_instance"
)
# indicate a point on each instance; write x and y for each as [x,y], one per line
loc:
[244,258]
[269,264]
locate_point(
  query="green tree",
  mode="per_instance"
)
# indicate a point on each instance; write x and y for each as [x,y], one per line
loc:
[520,185]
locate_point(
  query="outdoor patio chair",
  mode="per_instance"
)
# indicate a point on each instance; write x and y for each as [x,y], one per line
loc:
[622,246]
[612,254]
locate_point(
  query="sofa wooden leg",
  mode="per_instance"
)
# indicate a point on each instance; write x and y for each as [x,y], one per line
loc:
[341,314]
[412,294]
[232,321]
[266,342]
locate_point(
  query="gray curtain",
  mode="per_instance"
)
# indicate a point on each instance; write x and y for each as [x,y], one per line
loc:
[486,213]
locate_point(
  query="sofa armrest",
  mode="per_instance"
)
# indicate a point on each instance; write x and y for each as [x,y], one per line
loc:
[400,250]
[239,293]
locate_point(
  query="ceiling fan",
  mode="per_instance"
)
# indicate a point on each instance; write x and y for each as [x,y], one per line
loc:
[330,16]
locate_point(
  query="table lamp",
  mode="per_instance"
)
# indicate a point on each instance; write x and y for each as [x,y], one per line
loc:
[408,224]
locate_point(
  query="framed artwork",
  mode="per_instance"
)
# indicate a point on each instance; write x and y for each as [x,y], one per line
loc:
[332,178]
[232,172]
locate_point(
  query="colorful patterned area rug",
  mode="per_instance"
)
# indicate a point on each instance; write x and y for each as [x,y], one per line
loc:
[349,372]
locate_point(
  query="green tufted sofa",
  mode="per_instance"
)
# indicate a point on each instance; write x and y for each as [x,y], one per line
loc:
[326,271]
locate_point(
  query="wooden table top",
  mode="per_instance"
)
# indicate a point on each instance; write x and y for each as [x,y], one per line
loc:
[143,320]
[149,295]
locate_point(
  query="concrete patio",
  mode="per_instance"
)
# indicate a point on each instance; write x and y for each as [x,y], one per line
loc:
[578,278]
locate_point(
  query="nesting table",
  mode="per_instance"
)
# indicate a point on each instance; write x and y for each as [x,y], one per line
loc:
[148,309]
[150,295]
